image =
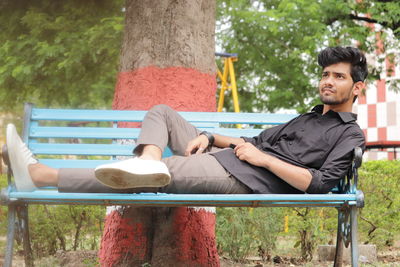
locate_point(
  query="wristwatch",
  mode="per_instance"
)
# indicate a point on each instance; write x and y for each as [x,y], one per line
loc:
[210,137]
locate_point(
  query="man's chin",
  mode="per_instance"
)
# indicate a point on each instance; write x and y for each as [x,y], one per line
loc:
[329,101]
[332,102]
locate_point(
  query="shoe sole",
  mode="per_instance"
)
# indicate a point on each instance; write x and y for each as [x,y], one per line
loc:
[118,179]
[18,162]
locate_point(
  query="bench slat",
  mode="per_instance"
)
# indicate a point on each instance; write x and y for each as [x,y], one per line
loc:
[119,133]
[151,199]
[84,132]
[81,149]
[234,132]
[211,203]
[137,116]
[74,163]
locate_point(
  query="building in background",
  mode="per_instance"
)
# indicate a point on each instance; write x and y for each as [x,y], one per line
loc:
[379,112]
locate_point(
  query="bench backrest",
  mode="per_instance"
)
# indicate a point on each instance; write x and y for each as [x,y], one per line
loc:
[86,138]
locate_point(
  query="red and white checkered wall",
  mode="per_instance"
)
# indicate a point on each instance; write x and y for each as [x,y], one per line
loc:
[379,114]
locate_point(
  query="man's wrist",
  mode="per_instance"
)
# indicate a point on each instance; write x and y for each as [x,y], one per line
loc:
[268,161]
[209,136]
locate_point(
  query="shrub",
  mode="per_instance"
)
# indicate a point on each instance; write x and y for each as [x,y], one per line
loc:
[242,232]
[3,212]
[312,226]
[55,228]
[380,218]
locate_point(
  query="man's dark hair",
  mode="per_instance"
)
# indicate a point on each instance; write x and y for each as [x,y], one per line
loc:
[338,54]
[334,55]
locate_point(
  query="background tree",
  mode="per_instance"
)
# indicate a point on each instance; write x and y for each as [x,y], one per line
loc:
[167,57]
[59,53]
[278,40]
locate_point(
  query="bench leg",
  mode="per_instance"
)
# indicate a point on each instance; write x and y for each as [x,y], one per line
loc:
[354,236]
[10,236]
[339,243]
[23,216]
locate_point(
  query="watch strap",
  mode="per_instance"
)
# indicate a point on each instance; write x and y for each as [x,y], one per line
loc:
[210,138]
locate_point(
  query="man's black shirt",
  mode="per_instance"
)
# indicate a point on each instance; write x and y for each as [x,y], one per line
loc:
[321,143]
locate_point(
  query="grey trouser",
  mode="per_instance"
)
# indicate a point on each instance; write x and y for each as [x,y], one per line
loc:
[196,174]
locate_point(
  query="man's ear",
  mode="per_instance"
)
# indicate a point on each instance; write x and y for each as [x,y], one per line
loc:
[358,87]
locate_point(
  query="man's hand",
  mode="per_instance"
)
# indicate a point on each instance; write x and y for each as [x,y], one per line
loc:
[248,152]
[197,145]
[297,177]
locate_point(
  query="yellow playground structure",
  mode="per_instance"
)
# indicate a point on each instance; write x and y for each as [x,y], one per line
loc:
[228,74]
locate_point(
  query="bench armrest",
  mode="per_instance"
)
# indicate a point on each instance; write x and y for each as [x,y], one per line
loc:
[357,157]
[357,161]
[6,160]
[348,184]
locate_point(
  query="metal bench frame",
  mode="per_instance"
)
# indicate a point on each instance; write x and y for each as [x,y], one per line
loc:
[40,139]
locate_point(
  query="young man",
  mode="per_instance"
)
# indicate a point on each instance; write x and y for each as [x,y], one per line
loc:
[308,154]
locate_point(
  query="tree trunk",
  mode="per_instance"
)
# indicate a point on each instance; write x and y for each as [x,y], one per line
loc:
[167,57]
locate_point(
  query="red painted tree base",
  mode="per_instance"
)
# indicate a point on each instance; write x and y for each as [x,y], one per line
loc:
[190,235]
[181,88]
[126,238]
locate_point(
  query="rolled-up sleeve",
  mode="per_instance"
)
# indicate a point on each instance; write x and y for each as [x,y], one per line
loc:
[337,163]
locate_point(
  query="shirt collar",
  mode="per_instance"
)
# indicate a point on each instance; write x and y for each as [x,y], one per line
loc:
[344,116]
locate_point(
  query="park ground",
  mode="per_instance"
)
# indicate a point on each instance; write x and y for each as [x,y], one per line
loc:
[282,257]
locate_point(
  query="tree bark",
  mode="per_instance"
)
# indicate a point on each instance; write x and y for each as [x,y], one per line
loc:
[167,57]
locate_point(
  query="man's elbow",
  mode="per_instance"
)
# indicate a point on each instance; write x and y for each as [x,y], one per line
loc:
[319,186]
[319,190]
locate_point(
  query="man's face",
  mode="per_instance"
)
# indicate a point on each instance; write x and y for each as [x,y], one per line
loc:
[336,84]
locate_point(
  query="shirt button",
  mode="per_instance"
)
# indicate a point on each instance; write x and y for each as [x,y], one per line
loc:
[290,143]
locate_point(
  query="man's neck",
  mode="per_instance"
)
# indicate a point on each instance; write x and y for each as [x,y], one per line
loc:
[347,107]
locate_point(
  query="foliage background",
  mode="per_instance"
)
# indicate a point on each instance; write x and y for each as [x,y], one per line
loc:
[378,220]
[278,42]
[242,232]
[65,53]
[59,53]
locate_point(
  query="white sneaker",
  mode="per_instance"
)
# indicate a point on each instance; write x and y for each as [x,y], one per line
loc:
[20,157]
[133,173]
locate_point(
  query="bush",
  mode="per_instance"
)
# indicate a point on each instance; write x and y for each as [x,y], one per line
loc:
[55,228]
[312,226]
[3,209]
[242,232]
[380,218]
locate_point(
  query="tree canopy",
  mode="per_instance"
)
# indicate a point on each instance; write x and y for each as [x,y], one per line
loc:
[59,53]
[278,41]
[65,53]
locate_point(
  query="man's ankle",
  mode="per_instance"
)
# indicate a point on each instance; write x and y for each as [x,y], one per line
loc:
[33,172]
[152,152]
[148,157]
[42,175]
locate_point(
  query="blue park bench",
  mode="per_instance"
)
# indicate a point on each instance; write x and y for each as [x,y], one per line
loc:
[92,137]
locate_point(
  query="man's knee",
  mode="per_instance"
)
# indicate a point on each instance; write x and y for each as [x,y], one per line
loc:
[161,108]
[162,111]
